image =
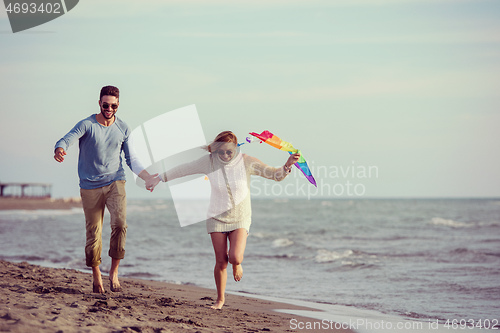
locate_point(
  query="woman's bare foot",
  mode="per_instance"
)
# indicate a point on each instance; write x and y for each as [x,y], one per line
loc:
[237,272]
[218,305]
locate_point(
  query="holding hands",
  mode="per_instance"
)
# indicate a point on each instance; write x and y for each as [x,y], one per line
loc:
[152,181]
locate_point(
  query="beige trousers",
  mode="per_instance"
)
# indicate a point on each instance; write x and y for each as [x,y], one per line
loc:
[94,201]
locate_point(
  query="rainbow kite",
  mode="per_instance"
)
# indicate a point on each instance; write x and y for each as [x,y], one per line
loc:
[276,142]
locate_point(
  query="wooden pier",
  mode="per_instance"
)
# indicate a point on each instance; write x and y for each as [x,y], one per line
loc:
[25,190]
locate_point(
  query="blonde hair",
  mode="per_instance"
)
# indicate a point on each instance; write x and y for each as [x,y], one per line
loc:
[220,139]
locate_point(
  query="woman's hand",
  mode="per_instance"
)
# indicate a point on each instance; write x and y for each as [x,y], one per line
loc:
[292,160]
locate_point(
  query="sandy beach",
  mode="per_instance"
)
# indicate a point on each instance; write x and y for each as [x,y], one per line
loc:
[41,299]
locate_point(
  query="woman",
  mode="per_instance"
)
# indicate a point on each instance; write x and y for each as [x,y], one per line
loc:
[229,213]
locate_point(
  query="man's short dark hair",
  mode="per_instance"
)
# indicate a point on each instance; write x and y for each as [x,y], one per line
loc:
[110,91]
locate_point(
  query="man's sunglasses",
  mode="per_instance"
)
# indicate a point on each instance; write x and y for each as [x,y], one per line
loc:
[106,106]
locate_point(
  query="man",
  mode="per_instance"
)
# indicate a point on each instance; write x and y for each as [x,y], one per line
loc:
[102,139]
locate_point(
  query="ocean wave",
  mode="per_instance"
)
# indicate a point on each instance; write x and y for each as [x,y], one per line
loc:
[282,242]
[477,256]
[63,259]
[489,224]
[337,203]
[355,264]
[26,258]
[376,238]
[287,256]
[414,315]
[491,240]
[450,223]
[141,275]
[136,208]
[323,256]
[22,258]
[259,235]
[46,259]
[456,224]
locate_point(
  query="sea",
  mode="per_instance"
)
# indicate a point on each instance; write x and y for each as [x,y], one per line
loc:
[416,259]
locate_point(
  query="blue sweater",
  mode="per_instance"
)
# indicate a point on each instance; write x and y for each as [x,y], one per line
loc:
[100,158]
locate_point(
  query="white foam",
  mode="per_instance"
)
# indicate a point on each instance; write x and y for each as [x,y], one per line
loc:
[330,256]
[258,234]
[282,242]
[450,223]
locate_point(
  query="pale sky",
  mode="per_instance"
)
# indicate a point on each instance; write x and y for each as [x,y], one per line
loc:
[410,87]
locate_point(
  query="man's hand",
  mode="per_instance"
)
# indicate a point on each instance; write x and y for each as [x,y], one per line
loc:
[59,155]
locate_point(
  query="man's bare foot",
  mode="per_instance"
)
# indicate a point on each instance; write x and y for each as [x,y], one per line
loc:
[218,305]
[113,275]
[237,272]
[98,287]
[114,284]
